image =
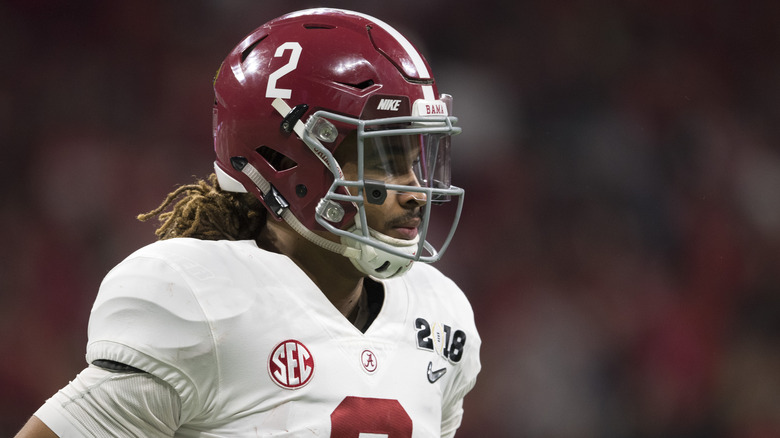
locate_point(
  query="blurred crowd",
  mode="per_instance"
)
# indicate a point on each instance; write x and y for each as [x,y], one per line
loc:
[620,241]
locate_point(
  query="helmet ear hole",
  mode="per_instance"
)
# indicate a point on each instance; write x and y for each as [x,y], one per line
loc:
[276,159]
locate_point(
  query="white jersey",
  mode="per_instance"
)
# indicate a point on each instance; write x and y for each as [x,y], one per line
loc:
[254,348]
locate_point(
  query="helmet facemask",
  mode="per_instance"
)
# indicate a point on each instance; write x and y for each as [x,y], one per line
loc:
[387,157]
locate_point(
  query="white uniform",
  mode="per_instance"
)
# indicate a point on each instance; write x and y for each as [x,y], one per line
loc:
[253,348]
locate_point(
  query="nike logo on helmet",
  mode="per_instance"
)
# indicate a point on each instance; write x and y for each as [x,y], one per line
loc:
[389,104]
[433,376]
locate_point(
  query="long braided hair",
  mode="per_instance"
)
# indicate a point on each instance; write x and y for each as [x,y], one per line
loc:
[203,211]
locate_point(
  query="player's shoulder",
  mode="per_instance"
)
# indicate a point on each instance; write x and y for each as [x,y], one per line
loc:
[192,248]
[172,274]
[181,272]
[421,270]
[204,259]
[429,288]
[426,276]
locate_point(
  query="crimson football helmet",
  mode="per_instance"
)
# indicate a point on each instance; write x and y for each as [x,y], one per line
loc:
[303,84]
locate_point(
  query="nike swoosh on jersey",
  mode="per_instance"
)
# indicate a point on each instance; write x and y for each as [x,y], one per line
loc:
[433,376]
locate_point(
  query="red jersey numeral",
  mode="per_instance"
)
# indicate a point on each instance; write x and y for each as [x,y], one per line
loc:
[356,415]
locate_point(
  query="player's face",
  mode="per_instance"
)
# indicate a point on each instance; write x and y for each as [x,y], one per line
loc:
[391,160]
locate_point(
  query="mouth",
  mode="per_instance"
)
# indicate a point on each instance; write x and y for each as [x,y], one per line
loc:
[406,230]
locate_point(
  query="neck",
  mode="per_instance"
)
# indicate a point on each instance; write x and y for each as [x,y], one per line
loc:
[333,273]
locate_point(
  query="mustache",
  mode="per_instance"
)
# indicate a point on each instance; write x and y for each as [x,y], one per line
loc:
[406,218]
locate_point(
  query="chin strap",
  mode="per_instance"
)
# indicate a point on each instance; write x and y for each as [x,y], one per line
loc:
[366,258]
[318,240]
[264,186]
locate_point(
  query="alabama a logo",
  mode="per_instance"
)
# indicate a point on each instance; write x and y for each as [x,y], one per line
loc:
[369,361]
[291,364]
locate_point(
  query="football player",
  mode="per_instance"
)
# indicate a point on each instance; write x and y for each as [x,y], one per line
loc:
[282,298]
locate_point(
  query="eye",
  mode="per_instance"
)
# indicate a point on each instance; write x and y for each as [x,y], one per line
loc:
[379,166]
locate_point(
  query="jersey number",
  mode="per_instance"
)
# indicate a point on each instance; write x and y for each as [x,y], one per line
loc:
[272,90]
[360,416]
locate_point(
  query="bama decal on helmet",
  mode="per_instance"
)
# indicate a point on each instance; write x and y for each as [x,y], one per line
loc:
[429,108]
[290,364]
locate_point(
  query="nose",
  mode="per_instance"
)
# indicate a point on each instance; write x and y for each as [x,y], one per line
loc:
[412,199]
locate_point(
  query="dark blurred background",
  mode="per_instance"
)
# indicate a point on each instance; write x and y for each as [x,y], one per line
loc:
[621,236]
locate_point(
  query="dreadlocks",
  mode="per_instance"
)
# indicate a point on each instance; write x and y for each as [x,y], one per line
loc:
[203,211]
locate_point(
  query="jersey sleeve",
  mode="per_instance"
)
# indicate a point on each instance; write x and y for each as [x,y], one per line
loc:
[100,402]
[147,316]
[463,383]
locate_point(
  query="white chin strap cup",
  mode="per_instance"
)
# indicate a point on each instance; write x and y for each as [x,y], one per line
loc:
[378,263]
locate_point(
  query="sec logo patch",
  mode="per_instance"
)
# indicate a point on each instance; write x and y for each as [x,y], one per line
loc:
[290,364]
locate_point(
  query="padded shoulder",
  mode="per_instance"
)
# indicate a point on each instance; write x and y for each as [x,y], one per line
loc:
[439,290]
[148,315]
